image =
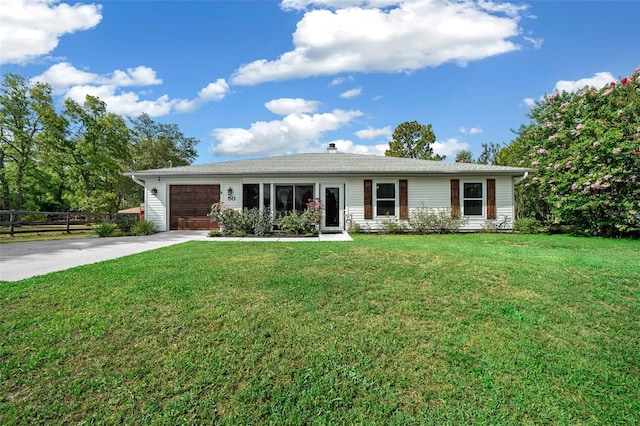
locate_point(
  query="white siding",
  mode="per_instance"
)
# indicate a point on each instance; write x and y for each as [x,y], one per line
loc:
[156,205]
[433,193]
[236,187]
[505,202]
[429,192]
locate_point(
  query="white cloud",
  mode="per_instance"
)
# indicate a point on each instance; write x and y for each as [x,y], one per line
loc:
[296,131]
[213,92]
[509,9]
[305,4]
[471,131]
[599,80]
[75,84]
[349,147]
[125,103]
[285,106]
[411,36]
[449,147]
[339,80]
[371,133]
[351,93]
[536,42]
[140,76]
[32,28]
[63,76]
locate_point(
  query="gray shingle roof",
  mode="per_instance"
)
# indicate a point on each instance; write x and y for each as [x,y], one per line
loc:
[331,163]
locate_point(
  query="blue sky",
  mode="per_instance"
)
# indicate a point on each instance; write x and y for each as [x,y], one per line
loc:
[258,78]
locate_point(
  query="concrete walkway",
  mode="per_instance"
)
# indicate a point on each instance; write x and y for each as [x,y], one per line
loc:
[322,237]
[19,261]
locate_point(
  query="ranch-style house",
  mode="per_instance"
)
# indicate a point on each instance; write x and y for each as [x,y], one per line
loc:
[353,188]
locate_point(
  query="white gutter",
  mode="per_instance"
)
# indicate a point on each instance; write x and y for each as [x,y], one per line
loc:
[138,181]
[521,178]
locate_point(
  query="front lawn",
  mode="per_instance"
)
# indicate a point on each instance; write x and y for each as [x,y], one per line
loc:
[482,328]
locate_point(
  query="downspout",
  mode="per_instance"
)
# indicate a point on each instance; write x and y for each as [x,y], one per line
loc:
[138,181]
[142,206]
[517,181]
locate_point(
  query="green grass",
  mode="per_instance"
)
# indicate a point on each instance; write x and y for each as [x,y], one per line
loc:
[483,328]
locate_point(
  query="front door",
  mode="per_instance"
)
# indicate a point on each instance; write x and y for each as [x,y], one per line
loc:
[332,209]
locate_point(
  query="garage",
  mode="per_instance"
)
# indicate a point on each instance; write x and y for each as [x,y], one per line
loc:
[190,204]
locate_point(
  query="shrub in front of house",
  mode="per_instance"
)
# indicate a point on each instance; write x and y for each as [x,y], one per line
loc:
[105,229]
[527,225]
[297,223]
[239,223]
[143,227]
[261,222]
[225,217]
[424,220]
[393,226]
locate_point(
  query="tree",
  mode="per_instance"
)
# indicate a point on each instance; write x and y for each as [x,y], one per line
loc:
[586,148]
[413,140]
[489,154]
[158,145]
[26,115]
[464,156]
[155,145]
[75,160]
[97,149]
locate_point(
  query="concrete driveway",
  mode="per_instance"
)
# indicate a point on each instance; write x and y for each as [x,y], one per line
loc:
[19,261]
[25,260]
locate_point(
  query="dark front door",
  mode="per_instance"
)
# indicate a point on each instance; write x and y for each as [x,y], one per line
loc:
[190,204]
[332,207]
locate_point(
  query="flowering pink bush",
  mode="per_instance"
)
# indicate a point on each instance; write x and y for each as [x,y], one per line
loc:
[314,209]
[595,136]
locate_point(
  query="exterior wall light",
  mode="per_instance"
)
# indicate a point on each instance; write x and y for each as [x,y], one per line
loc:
[230,192]
[154,191]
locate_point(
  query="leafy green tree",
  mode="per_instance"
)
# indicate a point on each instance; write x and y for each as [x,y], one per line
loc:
[413,140]
[97,149]
[27,115]
[489,154]
[464,156]
[157,145]
[586,148]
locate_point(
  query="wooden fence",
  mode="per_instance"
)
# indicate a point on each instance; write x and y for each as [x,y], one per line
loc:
[20,221]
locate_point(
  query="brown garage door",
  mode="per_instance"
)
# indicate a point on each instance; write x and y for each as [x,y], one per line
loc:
[190,204]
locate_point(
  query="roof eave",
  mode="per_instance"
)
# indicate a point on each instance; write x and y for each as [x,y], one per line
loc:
[169,174]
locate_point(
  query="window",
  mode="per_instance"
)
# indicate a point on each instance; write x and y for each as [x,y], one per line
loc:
[292,197]
[251,196]
[304,193]
[284,198]
[472,199]
[385,199]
